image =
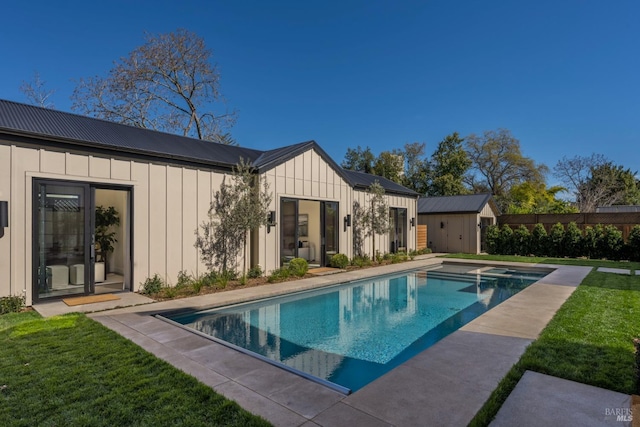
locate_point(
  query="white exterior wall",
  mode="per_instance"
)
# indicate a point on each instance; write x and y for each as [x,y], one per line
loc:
[168,204]
[309,177]
[393,201]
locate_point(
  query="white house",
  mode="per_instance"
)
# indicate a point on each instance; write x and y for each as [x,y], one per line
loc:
[56,168]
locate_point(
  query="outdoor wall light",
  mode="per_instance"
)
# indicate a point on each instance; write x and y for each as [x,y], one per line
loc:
[347,222]
[271,220]
[4,216]
[441,224]
[412,222]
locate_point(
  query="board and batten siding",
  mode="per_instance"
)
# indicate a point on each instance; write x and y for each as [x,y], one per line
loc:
[169,202]
[382,242]
[307,177]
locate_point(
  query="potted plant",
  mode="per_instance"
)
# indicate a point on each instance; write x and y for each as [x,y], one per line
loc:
[106,218]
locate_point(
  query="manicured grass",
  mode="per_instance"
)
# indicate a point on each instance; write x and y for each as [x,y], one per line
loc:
[589,340]
[71,371]
[595,263]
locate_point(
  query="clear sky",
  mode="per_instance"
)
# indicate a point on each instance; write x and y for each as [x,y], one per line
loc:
[562,75]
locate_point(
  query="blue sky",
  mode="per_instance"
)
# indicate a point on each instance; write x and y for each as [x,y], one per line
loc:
[563,76]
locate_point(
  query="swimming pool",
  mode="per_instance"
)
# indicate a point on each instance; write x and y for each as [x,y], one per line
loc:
[350,334]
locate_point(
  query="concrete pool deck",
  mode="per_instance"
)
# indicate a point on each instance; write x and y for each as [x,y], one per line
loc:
[443,385]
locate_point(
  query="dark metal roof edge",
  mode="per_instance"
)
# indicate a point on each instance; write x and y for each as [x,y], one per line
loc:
[90,146]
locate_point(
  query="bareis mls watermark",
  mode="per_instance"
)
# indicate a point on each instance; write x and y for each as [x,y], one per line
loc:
[620,414]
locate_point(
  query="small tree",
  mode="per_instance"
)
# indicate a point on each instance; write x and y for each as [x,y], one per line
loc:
[237,208]
[252,205]
[357,225]
[376,216]
[612,242]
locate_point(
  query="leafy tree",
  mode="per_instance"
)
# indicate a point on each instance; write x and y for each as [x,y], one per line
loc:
[238,207]
[539,240]
[417,167]
[596,181]
[252,203]
[497,164]
[390,164]
[591,241]
[358,159]
[537,198]
[449,164]
[167,84]
[375,220]
[36,93]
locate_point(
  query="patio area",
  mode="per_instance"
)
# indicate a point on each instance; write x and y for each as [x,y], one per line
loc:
[444,385]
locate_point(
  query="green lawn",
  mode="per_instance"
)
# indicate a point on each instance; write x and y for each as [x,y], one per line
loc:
[71,371]
[589,340]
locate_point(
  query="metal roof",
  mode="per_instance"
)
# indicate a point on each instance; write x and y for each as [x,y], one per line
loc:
[470,203]
[364,180]
[83,133]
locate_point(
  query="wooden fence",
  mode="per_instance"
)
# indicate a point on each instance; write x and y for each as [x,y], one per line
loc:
[624,221]
[422,237]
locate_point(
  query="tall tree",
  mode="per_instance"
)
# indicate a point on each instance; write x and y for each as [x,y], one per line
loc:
[167,84]
[375,219]
[390,164]
[36,92]
[417,167]
[497,163]
[358,159]
[449,164]
[596,181]
[537,198]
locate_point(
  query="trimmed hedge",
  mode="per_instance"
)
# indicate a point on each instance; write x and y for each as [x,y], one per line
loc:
[596,242]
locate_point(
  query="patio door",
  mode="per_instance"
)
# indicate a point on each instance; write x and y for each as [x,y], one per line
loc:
[62,247]
[329,231]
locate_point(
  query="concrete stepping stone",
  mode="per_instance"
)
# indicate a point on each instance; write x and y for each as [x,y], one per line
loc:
[613,270]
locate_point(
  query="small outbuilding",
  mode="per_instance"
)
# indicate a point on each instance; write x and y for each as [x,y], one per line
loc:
[457,224]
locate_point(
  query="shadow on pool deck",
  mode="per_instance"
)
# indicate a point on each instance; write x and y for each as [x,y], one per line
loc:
[444,385]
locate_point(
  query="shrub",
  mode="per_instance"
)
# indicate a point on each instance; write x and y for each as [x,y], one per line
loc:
[399,257]
[378,257]
[339,261]
[634,243]
[493,239]
[556,237]
[612,242]
[254,272]
[152,285]
[222,279]
[522,241]
[592,235]
[298,267]
[197,286]
[361,261]
[572,241]
[539,244]
[12,304]
[279,274]
[424,251]
[208,279]
[170,291]
[184,279]
[505,239]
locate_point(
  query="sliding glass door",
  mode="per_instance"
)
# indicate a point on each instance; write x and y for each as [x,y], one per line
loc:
[397,230]
[62,239]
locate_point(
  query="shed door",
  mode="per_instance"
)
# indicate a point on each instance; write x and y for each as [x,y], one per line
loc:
[455,235]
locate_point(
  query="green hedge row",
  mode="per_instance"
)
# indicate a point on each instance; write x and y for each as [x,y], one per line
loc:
[598,242]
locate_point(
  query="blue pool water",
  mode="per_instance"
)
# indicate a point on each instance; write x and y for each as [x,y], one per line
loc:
[353,333]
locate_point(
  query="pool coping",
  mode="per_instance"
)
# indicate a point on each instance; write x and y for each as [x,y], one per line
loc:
[443,385]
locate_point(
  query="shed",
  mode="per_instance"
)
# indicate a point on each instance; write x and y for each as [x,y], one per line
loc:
[457,223]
